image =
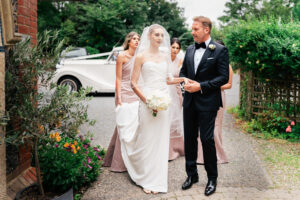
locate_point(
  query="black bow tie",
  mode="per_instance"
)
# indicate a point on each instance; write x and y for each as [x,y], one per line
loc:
[201,45]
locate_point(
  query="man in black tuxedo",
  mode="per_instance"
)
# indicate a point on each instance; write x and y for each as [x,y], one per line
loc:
[206,66]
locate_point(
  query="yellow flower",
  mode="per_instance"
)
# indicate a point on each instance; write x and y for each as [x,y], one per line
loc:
[56,134]
[73,146]
[58,138]
[75,143]
[78,148]
[74,151]
[66,144]
[52,135]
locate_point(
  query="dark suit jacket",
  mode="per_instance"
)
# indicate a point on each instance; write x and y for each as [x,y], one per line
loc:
[212,73]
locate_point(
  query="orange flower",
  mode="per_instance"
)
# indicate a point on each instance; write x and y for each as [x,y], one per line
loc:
[66,144]
[56,134]
[52,135]
[73,146]
[78,148]
[74,151]
[75,142]
[42,127]
[58,138]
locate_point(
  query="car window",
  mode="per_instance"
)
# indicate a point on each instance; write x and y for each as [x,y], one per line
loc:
[75,52]
[113,56]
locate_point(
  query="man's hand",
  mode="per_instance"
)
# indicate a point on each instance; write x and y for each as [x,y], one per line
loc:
[192,86]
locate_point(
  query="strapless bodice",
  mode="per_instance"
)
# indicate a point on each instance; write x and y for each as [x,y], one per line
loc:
[154,76]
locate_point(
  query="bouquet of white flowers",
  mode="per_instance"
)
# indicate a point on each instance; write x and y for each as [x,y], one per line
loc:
[158,101]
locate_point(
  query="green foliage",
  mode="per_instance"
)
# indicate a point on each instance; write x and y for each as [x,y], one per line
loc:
[30,109]
[67,162]
[91,50]
[270,124]
[38,107]
[257,9]
[102,24]
[265,47]
[296,11]
[186,38]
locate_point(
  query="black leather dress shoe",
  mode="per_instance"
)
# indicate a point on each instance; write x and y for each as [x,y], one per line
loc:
[190,181]
[210,187]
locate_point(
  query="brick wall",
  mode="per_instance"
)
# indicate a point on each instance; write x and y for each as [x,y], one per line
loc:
[26,23]
[27,18]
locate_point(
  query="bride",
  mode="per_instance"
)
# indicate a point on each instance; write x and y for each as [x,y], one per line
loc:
[145,151]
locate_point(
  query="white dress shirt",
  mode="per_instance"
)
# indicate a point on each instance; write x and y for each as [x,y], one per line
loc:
[199,54]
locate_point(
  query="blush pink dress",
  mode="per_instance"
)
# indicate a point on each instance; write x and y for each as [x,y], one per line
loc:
[113,157]
[221,155]
[176,147]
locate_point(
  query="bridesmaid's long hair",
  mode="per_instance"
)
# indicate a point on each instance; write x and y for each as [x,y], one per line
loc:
[128,37]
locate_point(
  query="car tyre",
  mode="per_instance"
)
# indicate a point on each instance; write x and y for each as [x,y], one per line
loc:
[72,82]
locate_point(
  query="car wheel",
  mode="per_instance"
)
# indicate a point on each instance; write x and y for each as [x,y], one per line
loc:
[71,82]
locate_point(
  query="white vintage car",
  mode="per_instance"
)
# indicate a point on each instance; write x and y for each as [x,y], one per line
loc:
[88,70]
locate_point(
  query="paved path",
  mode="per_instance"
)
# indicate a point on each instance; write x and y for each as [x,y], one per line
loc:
[243,178]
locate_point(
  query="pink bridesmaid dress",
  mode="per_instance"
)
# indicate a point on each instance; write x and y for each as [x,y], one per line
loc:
[176,148]
[113,157]
[221,155]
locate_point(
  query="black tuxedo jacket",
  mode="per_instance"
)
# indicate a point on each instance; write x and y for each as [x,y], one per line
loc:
[212,73]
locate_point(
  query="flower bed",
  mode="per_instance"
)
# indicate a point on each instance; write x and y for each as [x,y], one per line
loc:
[69,162]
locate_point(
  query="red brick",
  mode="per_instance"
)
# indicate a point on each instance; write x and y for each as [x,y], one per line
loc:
[33,170]
[34,13]
[22,3]
[33,25]
[34,2]
[27,21]
[34,41]
[21,19]
[33,30]
[23,29]
[23,11]
[28,3]
[33,19]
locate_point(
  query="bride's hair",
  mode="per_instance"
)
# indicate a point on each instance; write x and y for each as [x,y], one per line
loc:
[154,27]
[128,37]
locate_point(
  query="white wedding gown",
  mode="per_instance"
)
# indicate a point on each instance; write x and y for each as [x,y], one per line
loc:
[144,138]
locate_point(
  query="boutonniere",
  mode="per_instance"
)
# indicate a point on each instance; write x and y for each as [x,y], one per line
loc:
[212,47]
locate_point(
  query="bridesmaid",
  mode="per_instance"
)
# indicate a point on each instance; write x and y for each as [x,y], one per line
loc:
[176,148]
[123,93]
[221,155]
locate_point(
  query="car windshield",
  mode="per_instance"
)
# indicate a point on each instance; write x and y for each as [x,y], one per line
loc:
[75,52]
[113,56]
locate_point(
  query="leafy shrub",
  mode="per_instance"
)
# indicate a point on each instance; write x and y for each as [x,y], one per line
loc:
[267,48]
[270,124]
[37,109]
[272,121]
[69,162]
[91,50]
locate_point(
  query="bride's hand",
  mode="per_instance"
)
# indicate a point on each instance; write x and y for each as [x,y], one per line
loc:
[185,80]
[119,101]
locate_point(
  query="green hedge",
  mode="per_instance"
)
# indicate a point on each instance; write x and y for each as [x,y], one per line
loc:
[267,48]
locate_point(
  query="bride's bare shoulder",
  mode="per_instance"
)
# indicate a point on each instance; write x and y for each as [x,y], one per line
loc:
[141,57]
